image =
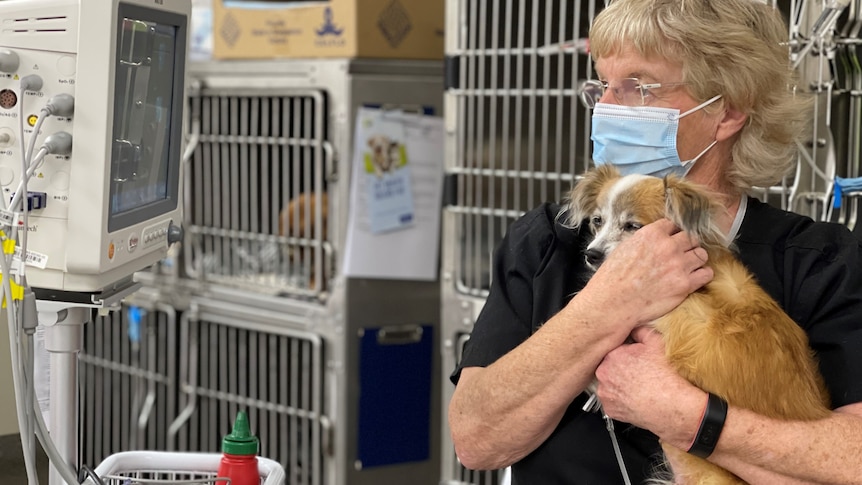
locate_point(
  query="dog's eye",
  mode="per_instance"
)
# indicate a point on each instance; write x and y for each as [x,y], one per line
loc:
[596,221]
[632,226]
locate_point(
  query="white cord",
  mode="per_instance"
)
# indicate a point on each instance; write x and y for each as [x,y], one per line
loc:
[66,471]
[594,405]
[30,379]
[63,104]
[30,420]
[36,129]
[25,212]
[22,189]
[617,451]
[40,156]
[21,388]
[17,373]
[23,146]
[807,157]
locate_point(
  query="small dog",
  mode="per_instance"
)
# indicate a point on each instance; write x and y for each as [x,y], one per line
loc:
[298,220]
[730,337]
[384,154]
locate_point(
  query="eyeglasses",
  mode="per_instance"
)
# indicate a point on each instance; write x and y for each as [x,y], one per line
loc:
[628,91]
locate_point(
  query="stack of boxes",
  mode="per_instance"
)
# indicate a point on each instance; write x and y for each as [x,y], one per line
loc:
[380,29]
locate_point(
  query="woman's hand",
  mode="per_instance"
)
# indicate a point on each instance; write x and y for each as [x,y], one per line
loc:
[646,276]
[637,385]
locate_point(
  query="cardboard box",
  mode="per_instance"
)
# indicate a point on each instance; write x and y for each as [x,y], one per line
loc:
[400,29]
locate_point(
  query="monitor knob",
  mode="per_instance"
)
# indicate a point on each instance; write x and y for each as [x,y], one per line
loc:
[175,234]
[8,61]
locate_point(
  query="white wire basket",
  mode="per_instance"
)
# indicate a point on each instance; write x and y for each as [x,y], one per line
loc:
[174,468]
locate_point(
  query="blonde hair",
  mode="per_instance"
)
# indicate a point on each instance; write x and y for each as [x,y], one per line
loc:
[736,48]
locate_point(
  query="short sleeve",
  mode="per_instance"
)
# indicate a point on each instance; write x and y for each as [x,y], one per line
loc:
[506,318]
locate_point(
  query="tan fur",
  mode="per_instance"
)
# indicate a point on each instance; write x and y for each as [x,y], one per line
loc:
[730,337]
[384,154]
[298,219]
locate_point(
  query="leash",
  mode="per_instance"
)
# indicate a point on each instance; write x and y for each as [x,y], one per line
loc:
[617,451]
[593,405]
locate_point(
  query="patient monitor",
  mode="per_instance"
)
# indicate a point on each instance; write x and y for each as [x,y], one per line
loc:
[93,90]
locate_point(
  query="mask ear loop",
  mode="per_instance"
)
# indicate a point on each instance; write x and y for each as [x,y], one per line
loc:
[700,106]
[690,163]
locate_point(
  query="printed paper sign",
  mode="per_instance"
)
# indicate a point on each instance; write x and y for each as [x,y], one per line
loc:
[411,253]
[388,181]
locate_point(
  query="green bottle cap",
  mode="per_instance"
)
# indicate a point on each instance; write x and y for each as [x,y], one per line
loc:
[240,441]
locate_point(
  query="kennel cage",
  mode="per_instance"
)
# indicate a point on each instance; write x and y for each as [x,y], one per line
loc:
[267,180]
[282,130]
[260,361]
[334,359]
[138,391]
[517,136]
[127,381]
[335,400]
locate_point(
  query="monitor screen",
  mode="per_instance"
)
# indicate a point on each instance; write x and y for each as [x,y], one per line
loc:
[147,125]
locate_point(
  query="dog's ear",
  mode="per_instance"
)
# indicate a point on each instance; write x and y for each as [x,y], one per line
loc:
[693,210]
[582,199]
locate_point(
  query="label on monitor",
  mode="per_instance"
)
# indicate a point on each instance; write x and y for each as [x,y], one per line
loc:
[8,218]
[34,259]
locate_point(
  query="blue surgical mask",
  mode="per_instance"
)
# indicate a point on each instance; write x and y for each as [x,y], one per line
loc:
[640,139]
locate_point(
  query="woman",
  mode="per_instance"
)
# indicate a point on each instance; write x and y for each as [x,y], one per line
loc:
[718,72]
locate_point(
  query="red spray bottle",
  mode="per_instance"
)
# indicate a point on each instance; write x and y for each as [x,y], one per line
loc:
[239,449]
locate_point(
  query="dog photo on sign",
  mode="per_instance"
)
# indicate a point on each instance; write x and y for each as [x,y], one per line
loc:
[385,154]
[387,173]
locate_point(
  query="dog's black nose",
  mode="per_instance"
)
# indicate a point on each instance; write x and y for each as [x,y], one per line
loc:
[594,257]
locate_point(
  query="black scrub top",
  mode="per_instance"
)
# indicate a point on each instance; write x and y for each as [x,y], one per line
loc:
[812,269]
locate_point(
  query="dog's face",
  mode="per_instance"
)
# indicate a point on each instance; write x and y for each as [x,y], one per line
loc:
[384,152]
[616,206]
